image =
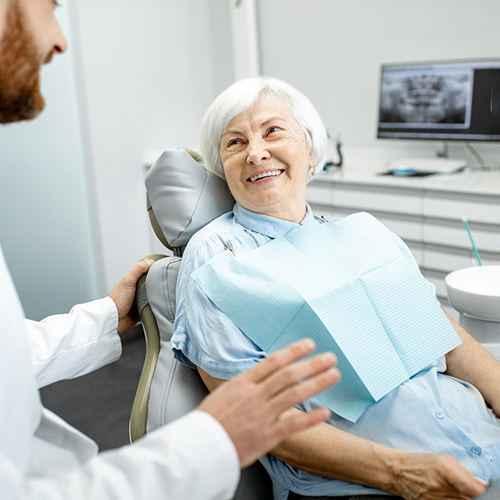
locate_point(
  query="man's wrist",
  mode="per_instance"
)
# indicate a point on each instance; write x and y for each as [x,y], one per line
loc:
[114,308]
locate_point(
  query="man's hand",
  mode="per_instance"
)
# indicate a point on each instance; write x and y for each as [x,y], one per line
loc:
[250,406]
[123,296]
[422,476]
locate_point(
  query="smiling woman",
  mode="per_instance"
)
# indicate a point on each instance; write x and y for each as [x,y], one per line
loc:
[241,98]
[266,158]
[266,140]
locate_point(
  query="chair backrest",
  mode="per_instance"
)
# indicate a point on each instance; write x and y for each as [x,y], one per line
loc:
[182,198]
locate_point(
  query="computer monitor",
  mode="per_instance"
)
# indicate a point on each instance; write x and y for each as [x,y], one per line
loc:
[446,101]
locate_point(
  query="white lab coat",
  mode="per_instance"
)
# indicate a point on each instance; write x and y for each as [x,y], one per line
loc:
[44,458]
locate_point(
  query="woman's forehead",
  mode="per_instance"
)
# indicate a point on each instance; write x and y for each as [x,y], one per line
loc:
[267,107]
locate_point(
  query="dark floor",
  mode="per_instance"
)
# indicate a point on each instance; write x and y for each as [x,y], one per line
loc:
[99,403]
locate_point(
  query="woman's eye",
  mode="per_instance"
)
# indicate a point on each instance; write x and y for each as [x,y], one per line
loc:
[233,142]
[272,130]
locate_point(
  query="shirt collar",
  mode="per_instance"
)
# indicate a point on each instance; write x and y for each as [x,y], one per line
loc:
[267,225]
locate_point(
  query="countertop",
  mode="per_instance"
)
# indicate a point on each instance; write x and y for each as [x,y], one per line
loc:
[479,182]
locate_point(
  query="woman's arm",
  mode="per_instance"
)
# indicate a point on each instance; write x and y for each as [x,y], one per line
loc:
[472,363]
[326,451]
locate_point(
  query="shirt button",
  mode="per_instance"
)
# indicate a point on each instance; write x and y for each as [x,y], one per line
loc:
[440,415]
[476,450]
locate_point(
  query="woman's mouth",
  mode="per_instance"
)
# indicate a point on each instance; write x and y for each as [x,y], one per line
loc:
[265,175]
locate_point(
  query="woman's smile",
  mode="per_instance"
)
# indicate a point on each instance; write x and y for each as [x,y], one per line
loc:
[262,176]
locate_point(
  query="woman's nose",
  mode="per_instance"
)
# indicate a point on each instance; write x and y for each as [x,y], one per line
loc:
[257,152]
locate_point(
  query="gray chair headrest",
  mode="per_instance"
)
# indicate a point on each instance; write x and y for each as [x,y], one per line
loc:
[183,197]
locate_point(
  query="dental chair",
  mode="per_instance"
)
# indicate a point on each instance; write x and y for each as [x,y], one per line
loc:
[182,198]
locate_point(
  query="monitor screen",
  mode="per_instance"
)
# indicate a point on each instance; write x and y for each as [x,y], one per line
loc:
[454,100]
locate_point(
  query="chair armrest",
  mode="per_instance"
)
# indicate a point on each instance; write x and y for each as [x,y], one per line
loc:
[139,414]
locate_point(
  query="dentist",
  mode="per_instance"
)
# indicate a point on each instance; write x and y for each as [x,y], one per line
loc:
[44,458]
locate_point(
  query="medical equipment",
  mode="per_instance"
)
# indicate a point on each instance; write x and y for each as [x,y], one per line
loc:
[475,293]
[476,253]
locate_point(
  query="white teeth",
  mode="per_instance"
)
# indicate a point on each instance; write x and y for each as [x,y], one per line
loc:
[272,173]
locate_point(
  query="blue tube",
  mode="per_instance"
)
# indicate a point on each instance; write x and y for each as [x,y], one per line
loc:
[464,219]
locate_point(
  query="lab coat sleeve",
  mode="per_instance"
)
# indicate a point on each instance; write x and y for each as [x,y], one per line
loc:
[65,346]
[191,458]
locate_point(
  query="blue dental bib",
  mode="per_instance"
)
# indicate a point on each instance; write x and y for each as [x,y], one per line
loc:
[345,284]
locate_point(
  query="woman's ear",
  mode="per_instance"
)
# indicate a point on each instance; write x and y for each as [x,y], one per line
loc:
[311,170]
[311,163]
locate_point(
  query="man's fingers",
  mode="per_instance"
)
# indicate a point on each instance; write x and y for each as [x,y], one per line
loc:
[130,279]
[298,372]
[300,392]
[280,359]
[140,268]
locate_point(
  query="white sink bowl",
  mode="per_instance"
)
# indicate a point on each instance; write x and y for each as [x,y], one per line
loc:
[475,291]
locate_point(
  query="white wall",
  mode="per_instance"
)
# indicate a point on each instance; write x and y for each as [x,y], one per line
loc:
[147,76]
[138,76]
[332,50]
[46,227]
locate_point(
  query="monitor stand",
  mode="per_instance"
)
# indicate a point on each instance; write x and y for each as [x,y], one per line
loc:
[426,166]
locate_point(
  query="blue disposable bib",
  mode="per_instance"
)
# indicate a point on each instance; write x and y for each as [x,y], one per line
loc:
[346,285]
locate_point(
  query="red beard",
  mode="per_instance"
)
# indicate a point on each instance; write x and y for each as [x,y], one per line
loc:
[20,64]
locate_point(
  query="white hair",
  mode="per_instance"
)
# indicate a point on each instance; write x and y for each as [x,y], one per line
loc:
[241,96]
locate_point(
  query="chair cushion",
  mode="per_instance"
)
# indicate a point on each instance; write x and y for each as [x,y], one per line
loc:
[183,196]
[161,283]
[175,390]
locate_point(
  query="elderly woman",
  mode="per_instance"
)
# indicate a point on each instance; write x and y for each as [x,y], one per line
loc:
[431,437]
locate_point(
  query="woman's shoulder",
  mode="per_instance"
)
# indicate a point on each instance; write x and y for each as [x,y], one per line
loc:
[209,241]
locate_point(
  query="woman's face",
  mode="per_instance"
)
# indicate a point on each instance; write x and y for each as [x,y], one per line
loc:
[265,158]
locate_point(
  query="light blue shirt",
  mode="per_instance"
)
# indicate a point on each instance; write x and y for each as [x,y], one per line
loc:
[431,412]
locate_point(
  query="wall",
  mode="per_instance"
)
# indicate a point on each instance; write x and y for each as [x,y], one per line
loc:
[137,77]
[147,75]
[332,51]
[46,228]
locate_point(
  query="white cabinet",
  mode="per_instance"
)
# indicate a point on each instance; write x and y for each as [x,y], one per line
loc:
[370,200]
[425,212]
[453,235]
[481,209]
[320,193]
